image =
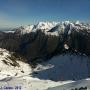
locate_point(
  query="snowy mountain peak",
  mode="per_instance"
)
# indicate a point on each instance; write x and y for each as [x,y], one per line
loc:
[31,28]
[25,29]
[77,22]
[66,22]
[48,26]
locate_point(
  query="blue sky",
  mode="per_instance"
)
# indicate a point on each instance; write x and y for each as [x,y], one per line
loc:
[23,12]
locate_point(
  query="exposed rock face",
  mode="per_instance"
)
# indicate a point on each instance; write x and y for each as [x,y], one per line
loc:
[9,41]
[45,43]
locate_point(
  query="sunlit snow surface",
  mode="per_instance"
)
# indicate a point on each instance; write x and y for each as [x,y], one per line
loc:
[59,70]
[47,26]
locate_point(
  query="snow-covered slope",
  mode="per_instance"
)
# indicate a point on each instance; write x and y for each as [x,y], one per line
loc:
[25,29]
[47,26]
[63,68]
[20,76]
[77,85]
[40,26]
[9,67]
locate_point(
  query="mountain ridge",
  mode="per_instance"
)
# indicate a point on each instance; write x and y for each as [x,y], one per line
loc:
[46,26]
[47,39]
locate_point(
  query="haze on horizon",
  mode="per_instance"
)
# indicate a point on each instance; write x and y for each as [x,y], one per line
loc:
[15,13]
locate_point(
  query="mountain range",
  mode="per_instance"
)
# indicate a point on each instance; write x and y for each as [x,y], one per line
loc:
[47,39]
[45,55]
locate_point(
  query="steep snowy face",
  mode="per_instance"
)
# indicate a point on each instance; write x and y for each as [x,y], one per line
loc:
[25,29]
[10,66]
[40,26]
[46,25]
[62,28]
[79,25]
[68,27]
[53,27]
